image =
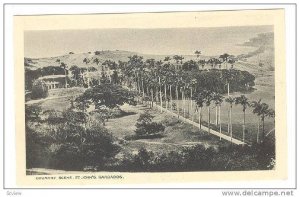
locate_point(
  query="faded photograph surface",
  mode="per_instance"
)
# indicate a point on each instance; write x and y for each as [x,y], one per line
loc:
[150,100]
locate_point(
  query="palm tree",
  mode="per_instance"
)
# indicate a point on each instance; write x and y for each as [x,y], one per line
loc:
[160,94]
[257,108]
[231,62]
[212,62]
[183,99]
[220,102]
[178,86]
[75,70]
[192,85]
[218,99]
[230,100]
[262,110]
[153,85]
[65,67]
[224,57]
[219,63]
[208,98]
[86,60]
[176,58]
[96,60]
[181,58]
[243,100]
[228,76]
[150,63]
[165,94]
[202,63]
[200,99]
[198,53]
[271,114]
[167,58]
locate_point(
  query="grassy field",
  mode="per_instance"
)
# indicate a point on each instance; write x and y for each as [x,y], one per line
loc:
[176,134]
[58,99]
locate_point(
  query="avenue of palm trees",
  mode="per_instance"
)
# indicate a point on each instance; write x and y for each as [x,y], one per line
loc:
[185,88]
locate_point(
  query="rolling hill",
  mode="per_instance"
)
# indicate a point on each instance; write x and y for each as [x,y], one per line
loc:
[258,60]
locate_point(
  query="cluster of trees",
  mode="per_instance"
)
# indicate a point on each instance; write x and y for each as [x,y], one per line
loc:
[66,141]
[199,158]
[75,138]
[135,62]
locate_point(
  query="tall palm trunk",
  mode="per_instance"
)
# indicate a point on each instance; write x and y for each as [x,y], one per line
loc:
[192,114]
[183,102]
[228,88]
[220,124]
[177,99]
[152,98]
[230,122]
[171,97]
[147,93]
[166,95]
[143,92]
[208,119]
[263,127]
[138,84]
[160,95]
[216,115]
[200,118]
[156,95]
[244,125]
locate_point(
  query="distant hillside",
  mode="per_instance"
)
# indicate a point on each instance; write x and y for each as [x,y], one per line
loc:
[77,59]
[263,56]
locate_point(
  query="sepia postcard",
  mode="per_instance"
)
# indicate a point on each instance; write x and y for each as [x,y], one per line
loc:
[141,98]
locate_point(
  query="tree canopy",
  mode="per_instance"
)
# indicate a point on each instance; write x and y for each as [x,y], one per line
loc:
[110,95]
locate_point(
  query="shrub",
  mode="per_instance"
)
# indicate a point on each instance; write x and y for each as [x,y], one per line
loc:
[39,90]
[97,52]
[79,149]
[37,153]
[148,129]
[145,126]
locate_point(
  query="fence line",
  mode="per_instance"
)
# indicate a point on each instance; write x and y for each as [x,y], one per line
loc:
[213,132]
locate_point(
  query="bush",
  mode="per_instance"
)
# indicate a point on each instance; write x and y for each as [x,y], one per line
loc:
[39,90]
[148,129]
[97,52]
[145,126]
[38,154]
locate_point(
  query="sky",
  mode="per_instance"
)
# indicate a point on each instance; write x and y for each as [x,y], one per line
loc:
[181,41]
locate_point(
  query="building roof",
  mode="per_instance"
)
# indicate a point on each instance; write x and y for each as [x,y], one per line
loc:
[52,76]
